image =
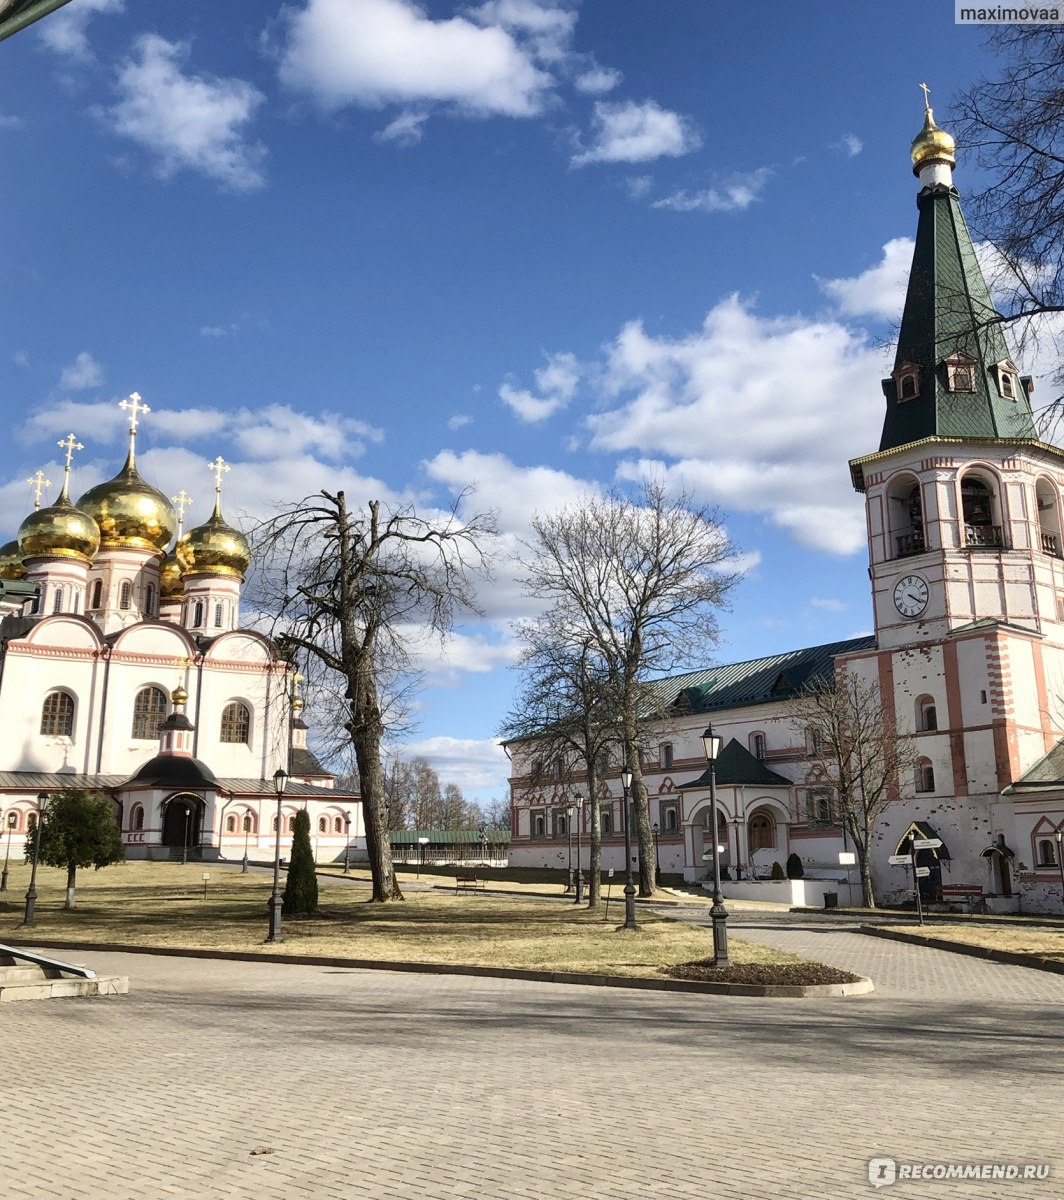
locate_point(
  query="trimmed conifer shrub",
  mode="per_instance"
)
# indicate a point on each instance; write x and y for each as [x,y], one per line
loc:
[777,871]
[301,887]
[795,869]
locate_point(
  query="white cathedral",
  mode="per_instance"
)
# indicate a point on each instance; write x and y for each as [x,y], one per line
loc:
[124,670]
[966,563]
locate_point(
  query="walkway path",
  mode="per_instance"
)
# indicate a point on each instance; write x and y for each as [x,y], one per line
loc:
[388,1086]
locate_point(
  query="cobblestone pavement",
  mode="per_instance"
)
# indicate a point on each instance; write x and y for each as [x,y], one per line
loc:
[393,1086]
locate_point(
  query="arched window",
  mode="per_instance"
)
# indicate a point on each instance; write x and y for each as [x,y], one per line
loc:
[605,820]
[1047,501]
[291,824]
[149,599]
[977,508]
[236,722]
[57,601]
[762,832]
[323,824]
[136,819]
[960,370]
[1047,856]
[670,819]
[57,715]
[149,709]
[97,594]
[926,715]
[230,824]
[125,594]
[818,807]
[665,756]
[908,386]
[757,746]
[217,616]
[338,825]
[247,822]
[274,829]
[197,615]
[925,775]
[539,825]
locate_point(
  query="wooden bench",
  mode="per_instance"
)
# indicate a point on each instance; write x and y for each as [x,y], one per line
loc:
[469,882]
[971,893]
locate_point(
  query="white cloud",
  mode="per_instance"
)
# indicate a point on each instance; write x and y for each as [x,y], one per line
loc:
[64,30]
[850,144]
[405,130]
[632,133]
[827,604]
[557,383]
[734,193]
[278,429]
[20,358]
[7,121]
[596,80]
[84,372]
[379,52]
[188,122]
[742,411]
[468,762]
[878,291]
[458,421]
[638,185]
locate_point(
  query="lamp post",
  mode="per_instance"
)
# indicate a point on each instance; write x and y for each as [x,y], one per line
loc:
[1060,861]
[31,895]
[569,833]
[280,782]
[347,842]
[576,813]
[656,829]
[247,832]
[188,821]
[12,821]
[629,886]
[718,913]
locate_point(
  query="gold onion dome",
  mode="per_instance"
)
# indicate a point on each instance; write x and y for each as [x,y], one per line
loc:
[171,585]
[130,512]
[179,695]
[214,549]
[932,144]
[59,531]
[11,562]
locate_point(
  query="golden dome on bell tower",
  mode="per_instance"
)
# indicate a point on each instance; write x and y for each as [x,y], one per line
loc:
[932,144]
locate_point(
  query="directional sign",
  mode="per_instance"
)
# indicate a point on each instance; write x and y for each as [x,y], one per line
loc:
[900,860]
[923,872]
[927,843]
[847,858]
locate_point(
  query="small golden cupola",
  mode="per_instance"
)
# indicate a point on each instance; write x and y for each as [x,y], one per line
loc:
[11,565]
[215,548]
[129,511]
[932,145]
[59,530]
[171,584]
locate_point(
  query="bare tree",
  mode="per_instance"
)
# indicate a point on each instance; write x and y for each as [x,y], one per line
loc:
[565,712]
[639,582]
[343,584]
[1014,125]
[863,755]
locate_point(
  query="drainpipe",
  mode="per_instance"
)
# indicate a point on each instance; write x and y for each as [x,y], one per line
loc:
[103,708]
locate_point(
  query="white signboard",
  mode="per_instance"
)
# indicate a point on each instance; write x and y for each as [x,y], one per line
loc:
[927,843]
[900,860]
[847,858]
[923,872]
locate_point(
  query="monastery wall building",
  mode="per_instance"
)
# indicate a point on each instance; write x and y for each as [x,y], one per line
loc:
[124,670]
[966,561]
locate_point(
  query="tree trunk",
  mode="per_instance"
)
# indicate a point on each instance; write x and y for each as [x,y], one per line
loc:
[375,814]
[594,889]
[72,875]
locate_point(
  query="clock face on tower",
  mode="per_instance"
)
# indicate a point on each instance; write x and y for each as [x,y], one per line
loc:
[911,595]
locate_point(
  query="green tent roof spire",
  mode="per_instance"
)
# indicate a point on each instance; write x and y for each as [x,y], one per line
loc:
[953,375]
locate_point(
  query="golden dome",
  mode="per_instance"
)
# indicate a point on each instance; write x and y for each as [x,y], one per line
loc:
[297,705]
[171,585]
[214,549]
[932,144]
[11,561]
[179,695]
[59,531]
[130,512]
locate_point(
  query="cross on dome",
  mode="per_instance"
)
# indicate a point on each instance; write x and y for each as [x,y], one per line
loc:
[135,407]
[927,92]
[218,468]
[39,484]
[182,500]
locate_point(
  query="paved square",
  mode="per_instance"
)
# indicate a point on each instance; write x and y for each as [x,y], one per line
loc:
[378,1084]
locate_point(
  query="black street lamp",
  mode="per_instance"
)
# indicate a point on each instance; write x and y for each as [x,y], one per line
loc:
[247,832]
[347,842]
[569,833]
[656,830]
[576,813]
[31,895]
[12,821]
[629,886]
[280,782]
[188,821]
[1060,862]
[718,913]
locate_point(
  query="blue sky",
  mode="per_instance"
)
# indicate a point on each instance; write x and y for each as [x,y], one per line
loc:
[539,248]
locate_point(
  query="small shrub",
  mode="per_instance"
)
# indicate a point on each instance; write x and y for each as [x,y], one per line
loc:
[724,875]
[777,871]
[301,886]
[795,869]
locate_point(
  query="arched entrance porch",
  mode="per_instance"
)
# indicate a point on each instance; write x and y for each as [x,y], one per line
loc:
[183,822]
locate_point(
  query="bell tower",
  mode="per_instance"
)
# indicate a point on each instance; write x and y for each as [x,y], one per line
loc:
[962,497]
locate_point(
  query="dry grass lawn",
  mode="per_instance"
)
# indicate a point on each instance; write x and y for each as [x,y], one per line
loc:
[1038,943]
[162,904]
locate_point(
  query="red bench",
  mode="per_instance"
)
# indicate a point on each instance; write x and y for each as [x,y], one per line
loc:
[970,892]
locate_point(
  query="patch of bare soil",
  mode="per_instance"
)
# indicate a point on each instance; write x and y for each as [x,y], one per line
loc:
[801,974]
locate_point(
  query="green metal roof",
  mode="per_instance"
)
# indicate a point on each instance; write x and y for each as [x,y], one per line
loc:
[736,766]
[948,312]
[756,681]
[1048,772]
[448,837]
